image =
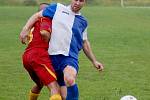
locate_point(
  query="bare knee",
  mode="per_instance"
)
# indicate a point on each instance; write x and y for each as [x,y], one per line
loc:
[53,88]
[69,80]
[70,75]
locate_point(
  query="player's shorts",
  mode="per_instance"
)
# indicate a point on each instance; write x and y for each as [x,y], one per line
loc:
[59,63]
[36,61]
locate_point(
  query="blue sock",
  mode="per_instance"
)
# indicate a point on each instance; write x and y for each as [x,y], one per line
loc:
[72,92]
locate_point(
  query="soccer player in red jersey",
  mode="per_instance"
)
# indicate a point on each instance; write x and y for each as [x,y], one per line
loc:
[36,59]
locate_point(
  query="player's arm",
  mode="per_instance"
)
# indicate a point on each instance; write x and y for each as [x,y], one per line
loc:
[26,29]
[46,35]
[45,28]
[88,52]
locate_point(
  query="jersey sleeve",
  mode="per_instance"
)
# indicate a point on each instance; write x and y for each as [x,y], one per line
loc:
[46,24]
[85,37]
[50,10]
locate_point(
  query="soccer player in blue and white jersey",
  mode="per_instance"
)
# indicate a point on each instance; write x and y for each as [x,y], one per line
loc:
[69,36]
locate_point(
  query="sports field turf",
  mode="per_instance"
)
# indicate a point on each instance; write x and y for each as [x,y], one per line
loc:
[120,39]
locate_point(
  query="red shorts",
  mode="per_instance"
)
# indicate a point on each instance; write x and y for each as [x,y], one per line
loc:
[36,61]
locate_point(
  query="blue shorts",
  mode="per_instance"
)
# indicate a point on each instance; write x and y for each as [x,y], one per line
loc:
[59,63]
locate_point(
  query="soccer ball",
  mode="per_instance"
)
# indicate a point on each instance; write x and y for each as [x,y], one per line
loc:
[128,97]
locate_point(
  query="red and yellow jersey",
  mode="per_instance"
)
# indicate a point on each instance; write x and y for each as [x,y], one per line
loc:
[35,38]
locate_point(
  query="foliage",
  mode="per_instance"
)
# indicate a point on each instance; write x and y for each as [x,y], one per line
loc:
[89,2]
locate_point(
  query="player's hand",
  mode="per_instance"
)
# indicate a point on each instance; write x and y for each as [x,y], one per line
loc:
[23,35]
[98,65]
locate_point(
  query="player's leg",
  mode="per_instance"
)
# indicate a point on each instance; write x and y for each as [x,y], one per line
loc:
[46,73]
[48,78]
[54,89]
[35,92]
[63,92]
[60,80]
[57,63]
[36,89]
[33,96]
[69,78]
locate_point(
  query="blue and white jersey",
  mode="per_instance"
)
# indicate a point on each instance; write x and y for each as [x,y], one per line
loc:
[69,30]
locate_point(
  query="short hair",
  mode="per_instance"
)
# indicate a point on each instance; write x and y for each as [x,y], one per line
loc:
[41,7]
[44,3]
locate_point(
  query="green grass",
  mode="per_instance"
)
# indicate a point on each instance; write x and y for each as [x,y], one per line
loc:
[119,38]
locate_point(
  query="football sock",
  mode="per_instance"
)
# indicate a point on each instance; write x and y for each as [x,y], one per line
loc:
[55,97]
[33,96]
[72,92]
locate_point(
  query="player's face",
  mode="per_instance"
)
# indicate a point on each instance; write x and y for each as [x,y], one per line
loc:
[76,5]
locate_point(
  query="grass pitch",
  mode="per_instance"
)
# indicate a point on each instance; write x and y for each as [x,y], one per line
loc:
[119,38]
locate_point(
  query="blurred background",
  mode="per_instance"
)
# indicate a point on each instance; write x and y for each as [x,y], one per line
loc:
[141,3]
[119,32]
